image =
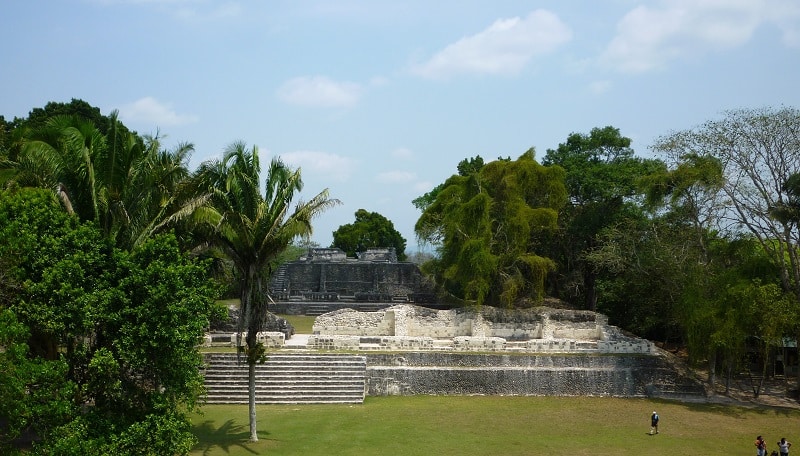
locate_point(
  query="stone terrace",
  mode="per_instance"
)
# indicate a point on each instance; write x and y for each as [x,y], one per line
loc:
[408,327]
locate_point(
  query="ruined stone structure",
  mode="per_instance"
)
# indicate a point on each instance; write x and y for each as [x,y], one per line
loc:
[540,351]
[538,330]
[409,350]
[327,275]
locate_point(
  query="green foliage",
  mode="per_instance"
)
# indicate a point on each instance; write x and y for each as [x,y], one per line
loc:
[642,275]
[252,229]
[370,230]
[491,224]
[32,390]
[99,343]
[465,167]
[127,185]
[602,178]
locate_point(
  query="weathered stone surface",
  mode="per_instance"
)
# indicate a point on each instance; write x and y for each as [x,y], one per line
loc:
[272,323]
[543,328]
[374,276]
[270,339]
[442,373]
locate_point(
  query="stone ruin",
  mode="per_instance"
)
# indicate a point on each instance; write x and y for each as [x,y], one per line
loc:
[537,330]
[487,351]
[274,332]
[412,350]
[327,274]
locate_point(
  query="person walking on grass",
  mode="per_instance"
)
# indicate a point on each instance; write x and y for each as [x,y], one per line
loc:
[783,447]
[654,423]
[761,447]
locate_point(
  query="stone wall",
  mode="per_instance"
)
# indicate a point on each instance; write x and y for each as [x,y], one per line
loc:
[415,321]
[441,373]
[347,322]
[375,272]
[351,277]
[540,330]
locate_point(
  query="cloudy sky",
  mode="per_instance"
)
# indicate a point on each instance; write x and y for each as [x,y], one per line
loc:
[378,100]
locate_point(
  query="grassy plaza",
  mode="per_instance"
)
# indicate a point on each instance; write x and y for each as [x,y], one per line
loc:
[493,425]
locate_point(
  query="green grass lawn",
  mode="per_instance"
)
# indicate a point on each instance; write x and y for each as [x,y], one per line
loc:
[302,324]
[493,425]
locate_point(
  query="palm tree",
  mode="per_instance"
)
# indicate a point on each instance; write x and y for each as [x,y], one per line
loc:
[127,185]
[251,229]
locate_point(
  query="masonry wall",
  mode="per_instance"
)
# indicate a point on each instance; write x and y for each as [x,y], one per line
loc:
[351,277]
[441,373]
[415,321]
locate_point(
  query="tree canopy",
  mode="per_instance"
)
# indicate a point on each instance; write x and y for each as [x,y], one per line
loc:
[251,228]
[489,225]
[117,329]
[370,230]
[129,186]
[602,176]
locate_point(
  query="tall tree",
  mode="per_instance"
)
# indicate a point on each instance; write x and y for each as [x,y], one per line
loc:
[759,150]
[489,225]
[370,230]
[602,175]
[252,228]
[129,186]
[110,364]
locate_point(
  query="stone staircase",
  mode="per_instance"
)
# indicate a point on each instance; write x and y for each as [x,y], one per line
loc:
[288,378]
[315,310]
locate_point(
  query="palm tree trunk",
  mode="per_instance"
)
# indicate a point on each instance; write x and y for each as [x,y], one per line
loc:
[249,322]
[251,399]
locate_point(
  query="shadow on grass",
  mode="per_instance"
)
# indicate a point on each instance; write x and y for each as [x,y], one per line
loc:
[224,437]
[735,409]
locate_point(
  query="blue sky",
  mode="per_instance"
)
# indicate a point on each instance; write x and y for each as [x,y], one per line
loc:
[379,100]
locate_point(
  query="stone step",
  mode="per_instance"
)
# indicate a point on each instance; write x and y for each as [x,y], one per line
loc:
[278,368]
[291,378]
[287,400]
[222,378]
[315,311]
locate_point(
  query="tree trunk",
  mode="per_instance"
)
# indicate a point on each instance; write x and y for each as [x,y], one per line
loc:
[712,370]
[251,397]
[247,321]
[796,338]
[590,284]
[729,376]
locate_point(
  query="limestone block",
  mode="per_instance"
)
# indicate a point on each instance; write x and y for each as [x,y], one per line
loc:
[550,345]
[270,339]
[207,340]
[333,342]
[406,343]
[478,343]
[625,346]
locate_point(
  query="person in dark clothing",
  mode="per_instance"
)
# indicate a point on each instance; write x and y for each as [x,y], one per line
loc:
[654,423]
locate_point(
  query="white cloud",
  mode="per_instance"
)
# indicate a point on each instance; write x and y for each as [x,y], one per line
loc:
[323,164]
[402,153]
[319,91]
[650,37]
[504,48]
[149,110]
[395,177]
